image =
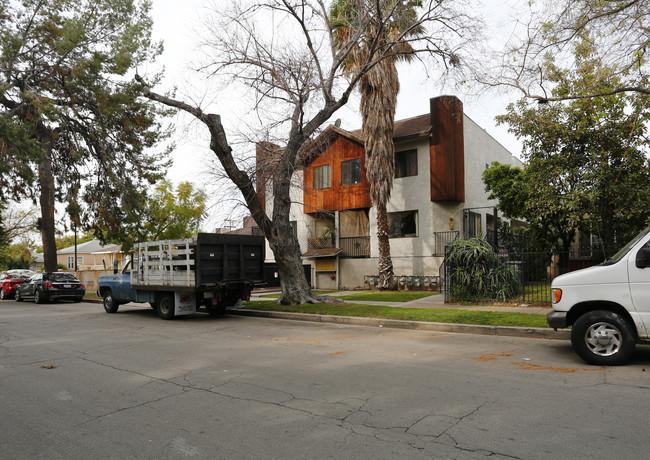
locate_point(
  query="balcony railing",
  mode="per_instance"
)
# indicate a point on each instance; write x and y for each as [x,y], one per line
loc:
[356,246]
[320,243]
[442,239]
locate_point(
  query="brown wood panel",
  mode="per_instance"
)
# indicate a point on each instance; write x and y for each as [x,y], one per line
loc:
[447,150]
[337,197]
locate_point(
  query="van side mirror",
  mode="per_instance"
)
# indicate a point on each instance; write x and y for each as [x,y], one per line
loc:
[643,258]
[115,265]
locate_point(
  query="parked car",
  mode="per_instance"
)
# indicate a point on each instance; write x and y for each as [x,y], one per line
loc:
[43,287]
[10,280]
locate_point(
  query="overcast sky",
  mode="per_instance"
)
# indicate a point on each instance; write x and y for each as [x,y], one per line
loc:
[177,27]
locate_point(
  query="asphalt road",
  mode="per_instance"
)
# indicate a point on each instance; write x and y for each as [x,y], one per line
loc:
[76,382]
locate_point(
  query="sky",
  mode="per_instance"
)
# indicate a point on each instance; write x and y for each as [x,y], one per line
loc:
[178,28]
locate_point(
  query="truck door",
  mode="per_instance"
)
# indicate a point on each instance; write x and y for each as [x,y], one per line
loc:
[123,284]
[640,289]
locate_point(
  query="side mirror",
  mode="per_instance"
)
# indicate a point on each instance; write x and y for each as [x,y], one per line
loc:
[115,267]
[643,258]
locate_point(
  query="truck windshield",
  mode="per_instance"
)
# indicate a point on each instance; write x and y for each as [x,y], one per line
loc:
[620,254]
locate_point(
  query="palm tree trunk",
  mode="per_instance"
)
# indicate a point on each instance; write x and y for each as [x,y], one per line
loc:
[386,276]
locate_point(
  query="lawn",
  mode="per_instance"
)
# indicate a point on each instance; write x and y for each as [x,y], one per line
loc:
[456,316]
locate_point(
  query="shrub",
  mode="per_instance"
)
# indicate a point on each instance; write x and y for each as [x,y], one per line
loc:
[478,273]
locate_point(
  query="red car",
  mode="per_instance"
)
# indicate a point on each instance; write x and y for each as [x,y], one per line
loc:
[10,280]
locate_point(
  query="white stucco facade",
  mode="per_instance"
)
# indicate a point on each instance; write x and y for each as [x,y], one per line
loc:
[411,255]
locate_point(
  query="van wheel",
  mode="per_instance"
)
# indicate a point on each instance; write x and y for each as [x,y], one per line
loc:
[110,304]
[603,338]
[166,307]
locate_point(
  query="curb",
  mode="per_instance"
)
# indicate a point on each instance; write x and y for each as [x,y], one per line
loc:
[504,331]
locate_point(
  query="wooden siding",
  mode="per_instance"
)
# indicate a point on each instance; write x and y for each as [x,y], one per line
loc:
[337,197]
[447,150]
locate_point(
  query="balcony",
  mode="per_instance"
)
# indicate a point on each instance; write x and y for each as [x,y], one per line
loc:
[356,246]
[320,243]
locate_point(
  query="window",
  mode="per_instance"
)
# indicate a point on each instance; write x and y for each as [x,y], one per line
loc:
[351,172]
[322,177]
[402,224]
[406,163]
[471,224]
[80,260]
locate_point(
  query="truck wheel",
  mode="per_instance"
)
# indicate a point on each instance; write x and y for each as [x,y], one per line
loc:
[166,307]
[216,310]
[110,304]
[603,338]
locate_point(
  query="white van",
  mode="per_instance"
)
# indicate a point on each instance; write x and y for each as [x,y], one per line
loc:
[608,305]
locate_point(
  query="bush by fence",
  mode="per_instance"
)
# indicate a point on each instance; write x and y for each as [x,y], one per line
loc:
[477,272]
[472,273]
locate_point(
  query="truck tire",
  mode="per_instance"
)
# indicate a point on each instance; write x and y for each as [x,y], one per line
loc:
[110,304]
[603,338]
[216,310]
[166,306]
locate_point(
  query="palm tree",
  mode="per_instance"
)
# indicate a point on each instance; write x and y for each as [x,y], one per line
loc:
[385,28]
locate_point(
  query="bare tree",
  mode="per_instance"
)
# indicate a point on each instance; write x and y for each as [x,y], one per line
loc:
[283,53]
[18,223]
[545,45]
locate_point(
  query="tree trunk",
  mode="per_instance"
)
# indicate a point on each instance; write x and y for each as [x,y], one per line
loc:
[386,276]
[46,199]
[285,247]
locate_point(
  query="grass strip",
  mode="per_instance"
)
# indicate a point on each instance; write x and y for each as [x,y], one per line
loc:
[437,315]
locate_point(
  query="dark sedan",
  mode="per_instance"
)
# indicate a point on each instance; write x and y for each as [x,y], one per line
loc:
[43,287]
[9,282]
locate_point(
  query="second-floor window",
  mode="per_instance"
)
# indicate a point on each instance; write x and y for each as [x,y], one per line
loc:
[406,163]
[351,172]
[322,177]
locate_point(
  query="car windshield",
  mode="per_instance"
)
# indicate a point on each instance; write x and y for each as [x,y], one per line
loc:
[620,254]
[22,277]
[62,277]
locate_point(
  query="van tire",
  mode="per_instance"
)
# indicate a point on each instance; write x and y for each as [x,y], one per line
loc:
[603,338]
[166,306]
[110,304]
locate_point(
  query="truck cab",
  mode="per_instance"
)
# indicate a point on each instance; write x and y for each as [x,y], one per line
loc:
[117,287]
[607,306]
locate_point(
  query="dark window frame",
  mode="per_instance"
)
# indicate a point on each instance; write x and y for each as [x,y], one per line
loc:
[354,173]
[319,177]
[406,163]
[406,227]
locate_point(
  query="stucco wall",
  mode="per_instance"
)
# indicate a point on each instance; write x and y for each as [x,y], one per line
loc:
[412,255]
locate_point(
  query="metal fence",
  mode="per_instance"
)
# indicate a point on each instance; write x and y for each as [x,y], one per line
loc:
[535,271]
[356,246]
